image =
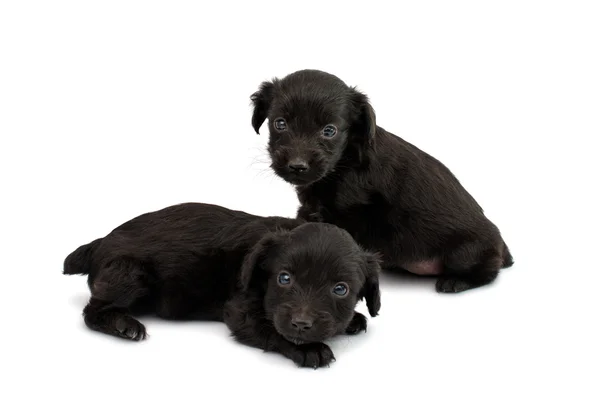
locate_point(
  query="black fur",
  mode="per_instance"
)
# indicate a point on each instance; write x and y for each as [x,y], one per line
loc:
[201,261]
[391,196]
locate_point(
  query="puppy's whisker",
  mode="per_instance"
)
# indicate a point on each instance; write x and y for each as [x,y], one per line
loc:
[259,160]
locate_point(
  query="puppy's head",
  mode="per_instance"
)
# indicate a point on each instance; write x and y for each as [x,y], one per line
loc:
[314,118]
[312,278]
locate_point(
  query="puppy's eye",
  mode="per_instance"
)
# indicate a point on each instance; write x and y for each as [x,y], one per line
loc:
[329,131]
[280,124]
[284,278]
[341,289]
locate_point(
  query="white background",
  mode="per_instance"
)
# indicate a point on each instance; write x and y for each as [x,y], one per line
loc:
[111,109]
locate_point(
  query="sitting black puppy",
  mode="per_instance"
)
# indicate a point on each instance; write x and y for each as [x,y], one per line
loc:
[391,196]
[279,284]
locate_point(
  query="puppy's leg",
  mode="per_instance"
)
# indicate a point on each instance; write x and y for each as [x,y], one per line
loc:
[357,324]
[102,317]
[244,316]
[115,289]
[471,265]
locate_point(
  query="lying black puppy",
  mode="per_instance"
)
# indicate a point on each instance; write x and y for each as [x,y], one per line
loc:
[392,197]
[279,284]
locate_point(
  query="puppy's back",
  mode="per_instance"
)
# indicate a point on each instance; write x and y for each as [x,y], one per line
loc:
[175,233]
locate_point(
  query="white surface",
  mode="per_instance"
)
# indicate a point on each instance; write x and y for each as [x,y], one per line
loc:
[114,108]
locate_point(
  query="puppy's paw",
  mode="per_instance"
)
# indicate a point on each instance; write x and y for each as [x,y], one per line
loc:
[316,217]
[357,324]
[129,328]
[312,355]
[448,284]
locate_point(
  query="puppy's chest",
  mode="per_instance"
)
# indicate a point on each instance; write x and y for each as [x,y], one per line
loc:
[351,195]
[341,194]
[346,202]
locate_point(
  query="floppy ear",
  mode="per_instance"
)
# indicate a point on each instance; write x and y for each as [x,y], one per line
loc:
[253,266]
[262,102]
[370,290]
[365,124]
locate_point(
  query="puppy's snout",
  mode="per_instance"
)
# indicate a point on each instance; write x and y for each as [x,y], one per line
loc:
[302,323]
[298,166]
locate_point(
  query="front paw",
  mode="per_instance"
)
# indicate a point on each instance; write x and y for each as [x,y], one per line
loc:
[311,217]
[312,355]
[310,214]
[316,217]
[357,324]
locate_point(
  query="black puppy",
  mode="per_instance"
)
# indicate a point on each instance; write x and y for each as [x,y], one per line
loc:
[391,196]
[279,284]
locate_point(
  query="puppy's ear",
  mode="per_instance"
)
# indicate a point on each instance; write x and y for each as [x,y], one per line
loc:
[262,102]
[253,266]
[365,124]
[370,290]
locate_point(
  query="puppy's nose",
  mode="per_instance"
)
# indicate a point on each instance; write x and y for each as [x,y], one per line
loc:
[298,166]
[302,323]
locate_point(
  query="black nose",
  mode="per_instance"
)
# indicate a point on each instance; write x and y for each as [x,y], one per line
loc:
[298,166]
[302,323]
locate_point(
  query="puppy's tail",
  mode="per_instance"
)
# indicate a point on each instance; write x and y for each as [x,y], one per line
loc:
[79,262]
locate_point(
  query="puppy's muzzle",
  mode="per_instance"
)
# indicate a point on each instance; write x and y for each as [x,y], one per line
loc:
[302,323]
[298,166]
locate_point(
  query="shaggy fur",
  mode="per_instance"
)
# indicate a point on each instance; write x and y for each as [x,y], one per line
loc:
[201,261]
[391,196]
